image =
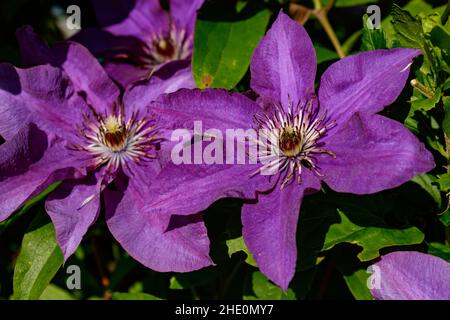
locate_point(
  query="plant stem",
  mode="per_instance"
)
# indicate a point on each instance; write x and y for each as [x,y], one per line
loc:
[317,4]
[323,19]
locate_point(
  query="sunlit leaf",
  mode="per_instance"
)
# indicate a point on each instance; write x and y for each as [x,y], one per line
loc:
[39,259]
[372,38]
[53,292]
[439,250]
[133,296]
[235,245]
[223,47]
[264,289]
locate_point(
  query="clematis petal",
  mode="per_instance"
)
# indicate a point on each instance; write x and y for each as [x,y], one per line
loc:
[188,189]
[29,163]
[84,71]
[33,49]
[73,208]
[283,66]
[102,43]
[215,108]
[365,82]
[184,13]
[269,229]
[373,153]
[138,18]
[42,95]
[181,247]
[409,275]
[125,74]
[169,78]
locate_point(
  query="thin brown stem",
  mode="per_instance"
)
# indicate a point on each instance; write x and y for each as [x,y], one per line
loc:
[104,280]
[321,15]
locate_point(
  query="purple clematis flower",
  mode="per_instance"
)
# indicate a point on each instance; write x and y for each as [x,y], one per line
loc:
[409,275]
[336,138]
[137,37]
[67,121]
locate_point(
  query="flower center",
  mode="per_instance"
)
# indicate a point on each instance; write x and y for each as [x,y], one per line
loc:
[290,141]
[174,45]
[290,138]
[115,135]
[113,142]
[165,49]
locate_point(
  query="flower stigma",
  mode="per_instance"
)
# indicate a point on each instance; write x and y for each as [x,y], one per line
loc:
[290,138]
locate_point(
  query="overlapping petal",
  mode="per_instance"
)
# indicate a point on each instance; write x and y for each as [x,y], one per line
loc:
[182,246]
[29,163]
[73,208]
[187,189]
[84,71]
[214,108]
[42,95]
[138,18]
[169,78]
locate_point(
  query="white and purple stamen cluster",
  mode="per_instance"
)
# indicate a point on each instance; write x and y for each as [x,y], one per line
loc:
[289,138]
[165,47]
[113,141]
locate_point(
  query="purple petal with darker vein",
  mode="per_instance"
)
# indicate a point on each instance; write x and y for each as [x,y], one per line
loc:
[42,95]
[138,18]
[283,66]
[409,275]
[215,108]
[73,208]
[373,153]
[103,43]
[269,229]
[169,78]
[365,82]
[124,73]
[29,163]
[84,71]
[184,13]
[33,49]
[187,189]
[181,247]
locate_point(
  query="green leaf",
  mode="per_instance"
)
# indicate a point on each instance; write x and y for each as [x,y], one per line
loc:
[324,54]
[357,284]
[425,104]
[331,219]
[264,289]
[444,181]
[429,184]
[371,239]
[235,245]
[409,29]
[223,47]
[439,250]
[133,296]
[53,292]
[372,38]
[446,121]
[39,259]
[445,218]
